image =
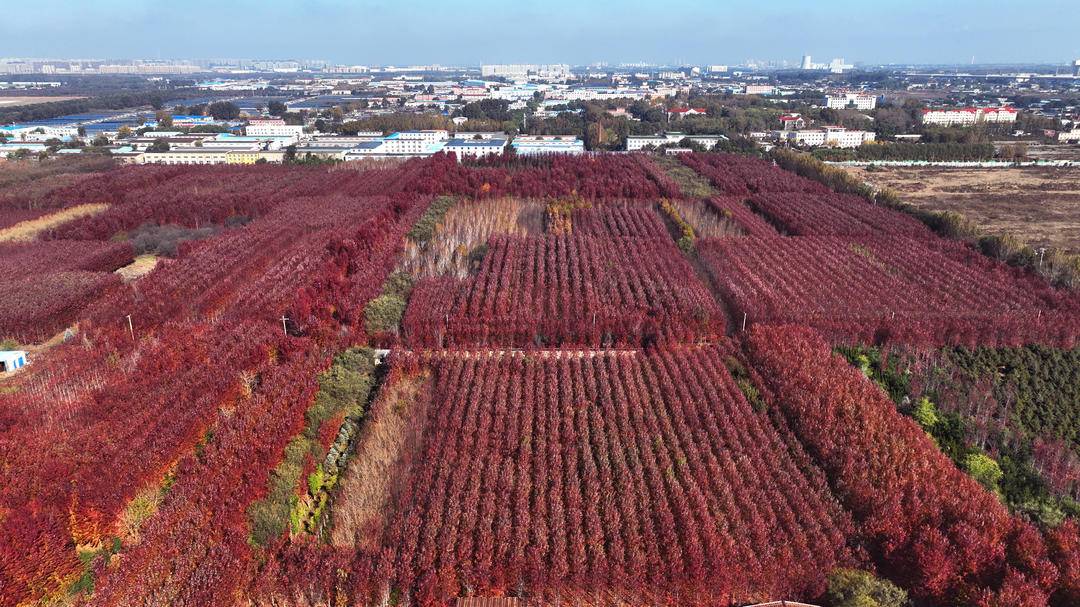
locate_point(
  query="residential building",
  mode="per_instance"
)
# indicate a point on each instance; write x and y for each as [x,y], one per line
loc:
[527,145]
[968,116]
[843,100]
[792,122]
[1072,136]
[681,112]
[759,89]
[641,142]
[834,136]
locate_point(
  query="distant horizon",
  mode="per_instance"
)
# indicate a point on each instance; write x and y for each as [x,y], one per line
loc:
[680,32]
[608,64]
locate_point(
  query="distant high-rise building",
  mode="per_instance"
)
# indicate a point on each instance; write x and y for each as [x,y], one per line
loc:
[523,71]
[1076,68]
[807,64]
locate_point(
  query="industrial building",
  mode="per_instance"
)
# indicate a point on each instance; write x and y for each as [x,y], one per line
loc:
[475,147]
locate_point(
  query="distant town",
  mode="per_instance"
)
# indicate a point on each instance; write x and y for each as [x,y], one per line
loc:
[254,111]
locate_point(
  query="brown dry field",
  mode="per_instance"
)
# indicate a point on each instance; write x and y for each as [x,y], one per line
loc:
[28,230]
[11,101]
[1038,205]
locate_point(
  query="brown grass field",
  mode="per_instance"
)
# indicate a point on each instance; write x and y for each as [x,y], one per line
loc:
[29,229]
[1038,205]
[14,101]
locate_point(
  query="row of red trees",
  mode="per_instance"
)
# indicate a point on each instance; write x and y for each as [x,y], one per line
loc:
[735,175]
[927,525]
[882,288]
[94,422]
[629,219]
[35,259]
[599,176]
[567,290]
[832,214]
[646,477]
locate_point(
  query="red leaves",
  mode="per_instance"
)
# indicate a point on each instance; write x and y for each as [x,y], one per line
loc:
[647,476]
[606,176]
[113,414]
[879,289]
[567,290]
[892,476]
[736,175]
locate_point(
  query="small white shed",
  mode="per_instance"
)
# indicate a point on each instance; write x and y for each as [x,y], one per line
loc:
[11,360]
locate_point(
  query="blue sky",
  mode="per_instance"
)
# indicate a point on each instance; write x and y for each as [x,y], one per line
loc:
[570,31]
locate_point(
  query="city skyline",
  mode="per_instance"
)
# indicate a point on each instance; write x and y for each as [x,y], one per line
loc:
[689,32]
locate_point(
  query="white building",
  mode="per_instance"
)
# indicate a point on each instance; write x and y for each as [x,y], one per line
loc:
[682,112]
[968,116]
[759,89]
[38,132]
[1072,136]
[524,71]
[11,360]
[260,129]
[641,142]
[834,136]
[475,147]
[413,143]
[527,145]
[208,155]
[858,101]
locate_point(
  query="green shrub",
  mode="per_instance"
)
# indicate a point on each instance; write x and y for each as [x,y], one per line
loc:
[399,283]
[984,469]
[424,230]
[684,232]
[383,314]
[925,413]
[345,386]
[856,588]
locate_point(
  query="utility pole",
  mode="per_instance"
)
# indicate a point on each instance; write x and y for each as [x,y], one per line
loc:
[285,327]
[131,328]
